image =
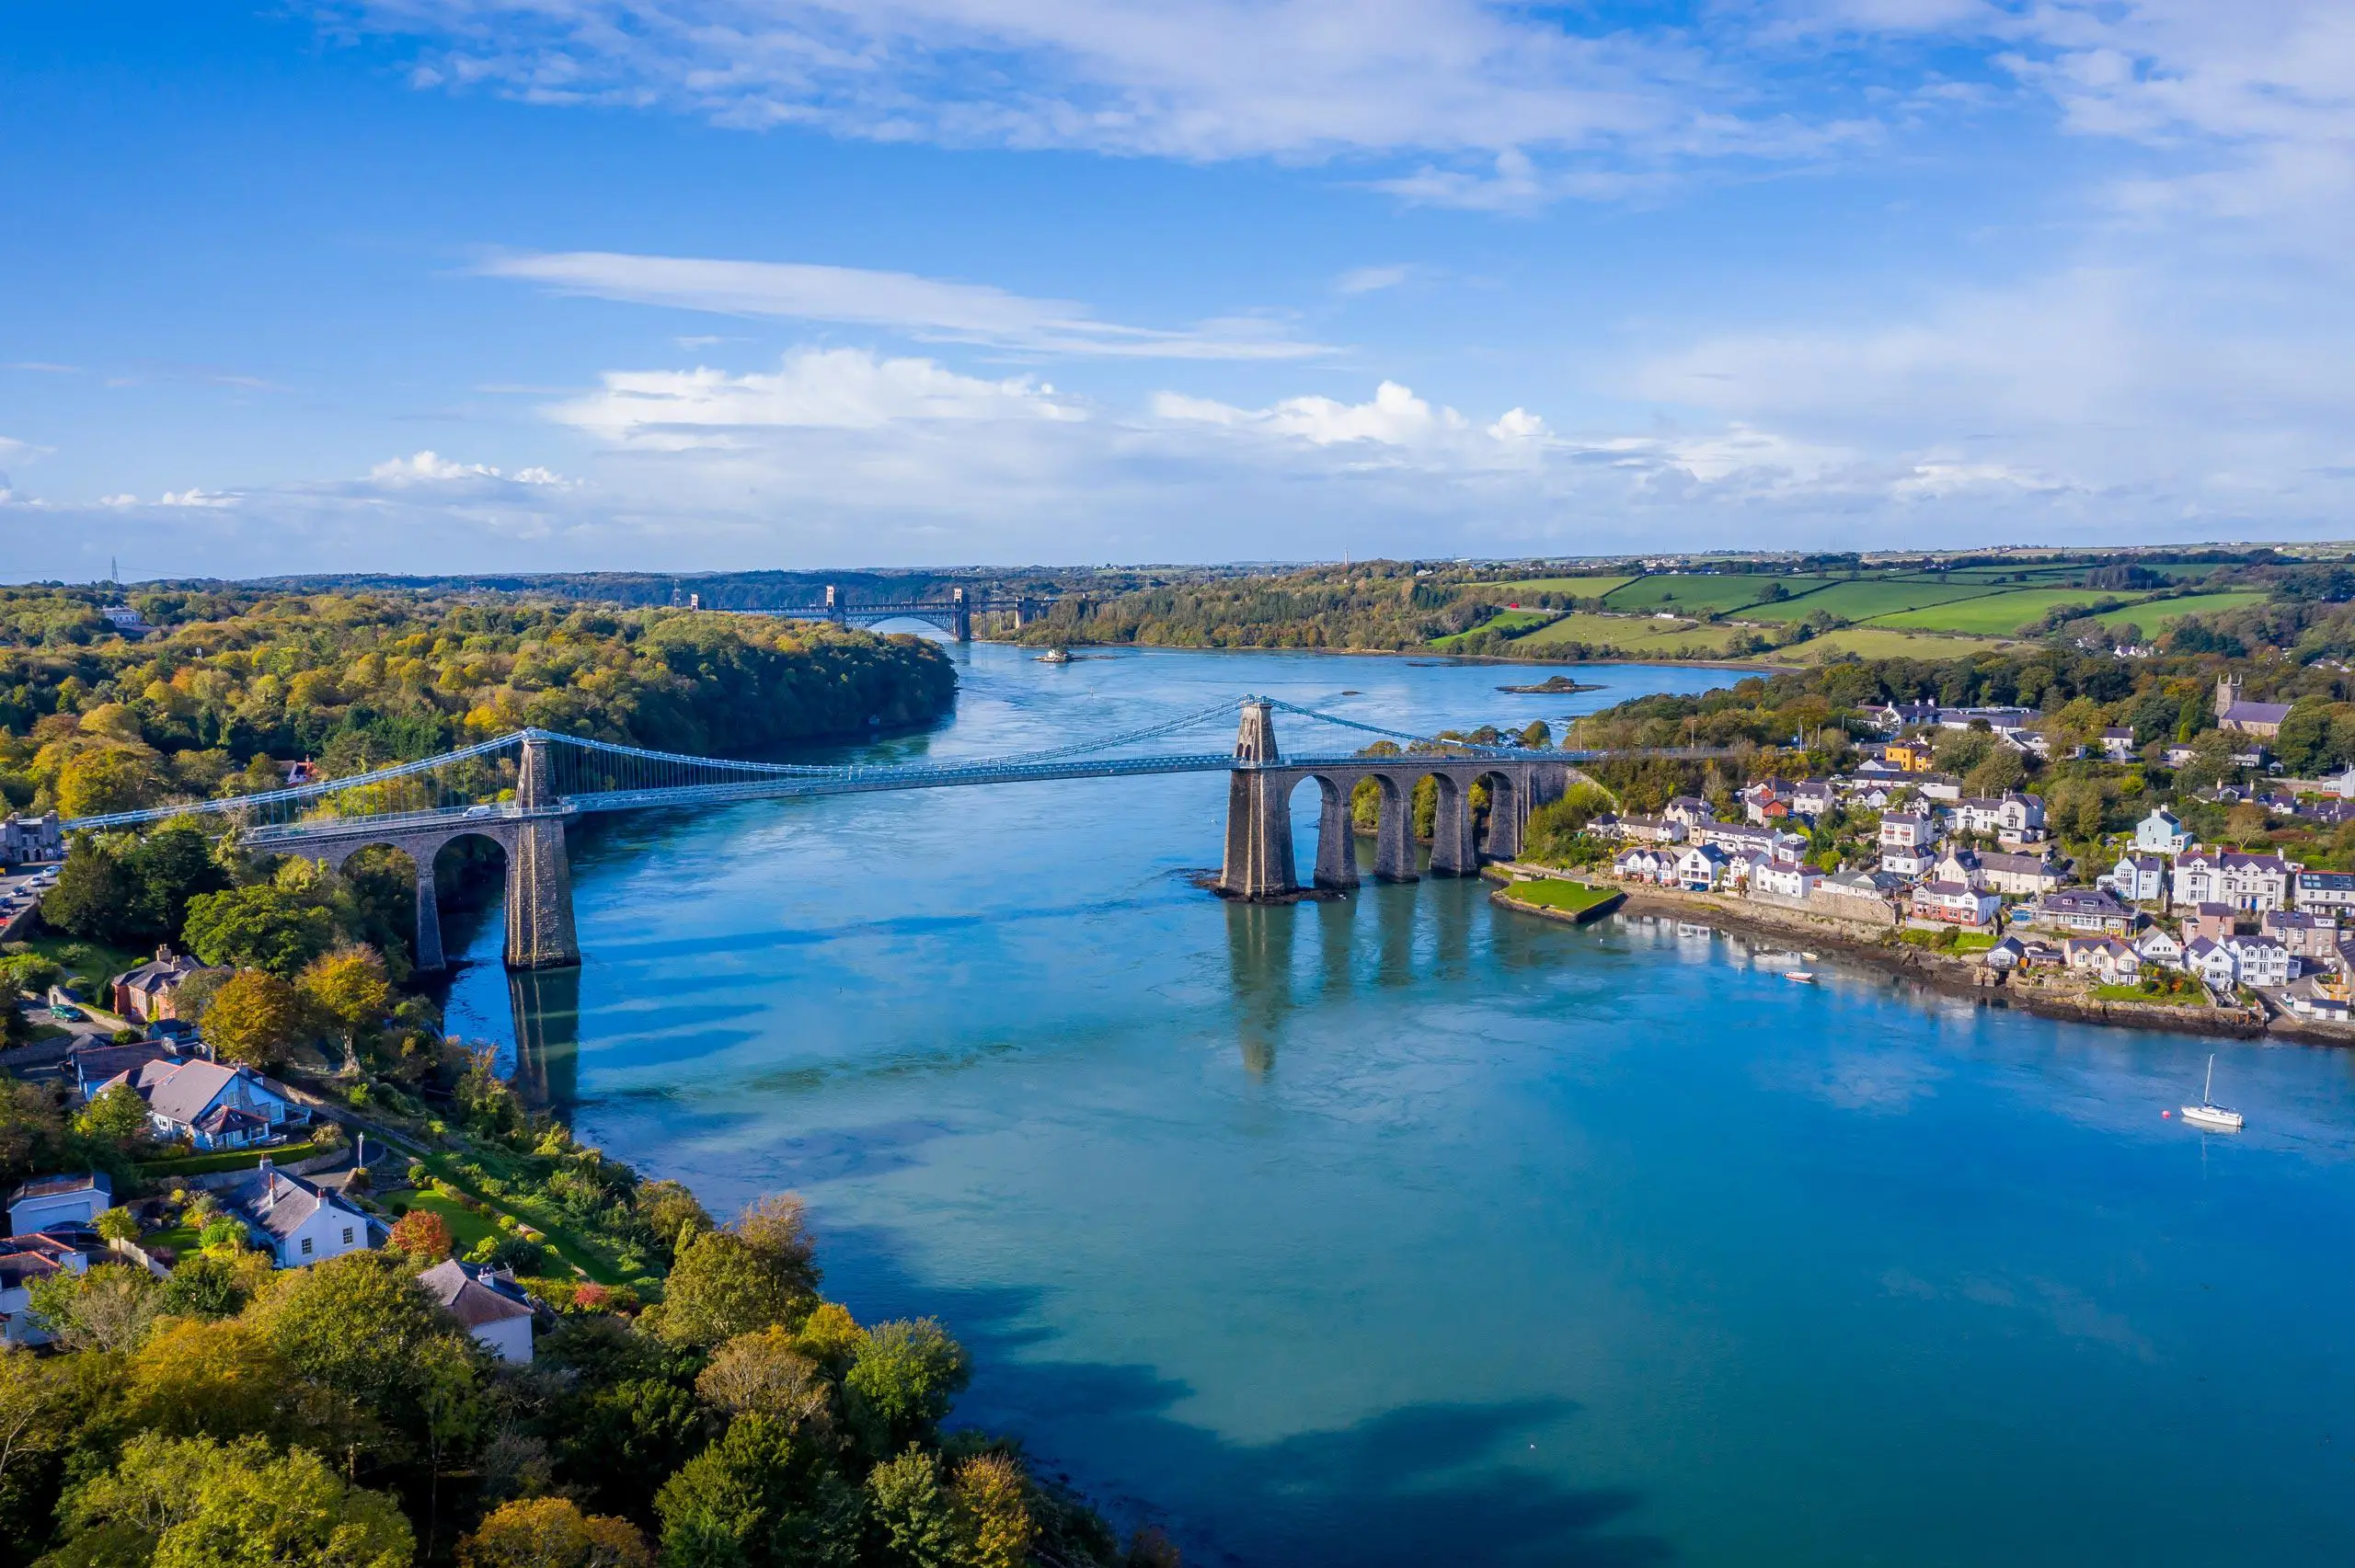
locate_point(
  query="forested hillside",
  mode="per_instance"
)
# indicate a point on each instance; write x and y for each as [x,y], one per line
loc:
[233,684]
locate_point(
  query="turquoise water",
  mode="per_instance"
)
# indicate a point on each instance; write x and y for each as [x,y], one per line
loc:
[1403,1231]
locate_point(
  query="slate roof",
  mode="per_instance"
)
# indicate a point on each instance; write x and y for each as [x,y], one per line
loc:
[2254,713]
[277,1203]
[474,1295]
[51,1186]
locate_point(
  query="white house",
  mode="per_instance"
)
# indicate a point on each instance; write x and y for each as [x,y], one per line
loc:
[2261,962]
[1645,865]
[2115,962]
[48,1201]
[2326,890]
[1689,810]
[2139,878]
[212,1105]
[2159,946]
[25,1261]
[1811,797]
[489,1302]
[2085,909]
[1701,867]
[2118,745]
[2249,882]
[2313,939]
[2013,814]
[1791,879]
[2160,833]
[298,1224]
[2213,962]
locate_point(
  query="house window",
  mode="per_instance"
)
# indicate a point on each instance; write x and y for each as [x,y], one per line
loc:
[307,1246]
[346,1235]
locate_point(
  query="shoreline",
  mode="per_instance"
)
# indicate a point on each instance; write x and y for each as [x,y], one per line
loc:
[1435,654]
[1963,978]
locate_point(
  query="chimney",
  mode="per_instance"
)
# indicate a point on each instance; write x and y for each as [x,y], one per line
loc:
[164,953]
[268,1183]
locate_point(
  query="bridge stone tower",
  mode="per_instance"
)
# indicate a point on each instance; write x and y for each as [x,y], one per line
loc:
[1258,813]
[960,616]
[539,878]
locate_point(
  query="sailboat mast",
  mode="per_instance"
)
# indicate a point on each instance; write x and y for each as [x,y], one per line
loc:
[2207,1090]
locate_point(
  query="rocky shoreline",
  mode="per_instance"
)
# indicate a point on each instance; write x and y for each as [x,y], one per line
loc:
[1965,979]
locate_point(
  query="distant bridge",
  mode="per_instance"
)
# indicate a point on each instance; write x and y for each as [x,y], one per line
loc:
[953,615]
[520,789]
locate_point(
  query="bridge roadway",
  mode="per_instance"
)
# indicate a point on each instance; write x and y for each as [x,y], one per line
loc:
[1257,864]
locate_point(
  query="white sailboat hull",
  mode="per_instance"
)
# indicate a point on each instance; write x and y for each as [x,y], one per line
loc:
[2215,1117]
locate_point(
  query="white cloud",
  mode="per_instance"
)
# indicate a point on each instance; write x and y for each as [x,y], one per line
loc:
[845,389]
[1368,280]
[431,468]
[1393,419]
[13,450]
[195,496]
[927,308]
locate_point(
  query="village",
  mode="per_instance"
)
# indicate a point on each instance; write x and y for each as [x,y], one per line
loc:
[2168,922]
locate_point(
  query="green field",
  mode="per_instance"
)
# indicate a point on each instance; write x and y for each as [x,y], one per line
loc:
[466,1226]
[1879,642]
[1999,614]
[1504,622]
[2165,611]
[1630,634]
[1555,893]
[1576,588]
[1698,594]
[1866,597]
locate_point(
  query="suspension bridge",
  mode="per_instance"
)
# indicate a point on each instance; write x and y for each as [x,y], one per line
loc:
[520,790]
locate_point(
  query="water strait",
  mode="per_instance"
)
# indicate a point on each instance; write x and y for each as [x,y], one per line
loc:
[1402,1230]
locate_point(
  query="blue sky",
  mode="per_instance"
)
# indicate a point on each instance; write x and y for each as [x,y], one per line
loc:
[560,284]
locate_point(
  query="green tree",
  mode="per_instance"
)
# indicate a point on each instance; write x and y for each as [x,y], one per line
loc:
[117,1115]
[205,1285]
[256,1018]
[902,1381]
[208,1505]
[170,867]
[914,1512]
[725,1283]
[362,1326]
[28,973]
[95,782]
[96,895]
[108,1306]
[260,928]
[757,1499]
[34,1137]
[117,1224]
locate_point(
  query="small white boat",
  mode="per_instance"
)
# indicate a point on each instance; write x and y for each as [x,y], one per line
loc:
[1055,656]
[1808,956]
[1804,977]
[2208,1113]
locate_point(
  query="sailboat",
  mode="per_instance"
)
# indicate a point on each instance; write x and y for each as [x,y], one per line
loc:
[2208,1113]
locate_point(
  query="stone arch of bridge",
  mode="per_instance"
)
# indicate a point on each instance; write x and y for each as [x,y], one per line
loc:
[539,885]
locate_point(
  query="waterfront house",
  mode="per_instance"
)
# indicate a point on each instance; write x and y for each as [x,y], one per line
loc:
[2159,948]
[1741,838]
[2092,909]
[2249,882]
[2244,717]
[2113,961]
[2160,833]
[2139,878]
[212,1105]
[2022,876]
[2321,996]
[1788,879]
[297,1222]
[2261,961]
[46,1202]
[2213,962]
[489,1302]
[1855,895]
[2332,890]
[1644,865]
[1956,903]
[2313,939]
[1701,867]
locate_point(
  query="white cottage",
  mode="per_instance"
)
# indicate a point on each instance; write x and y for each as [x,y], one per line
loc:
[298,1224]
[489,1302]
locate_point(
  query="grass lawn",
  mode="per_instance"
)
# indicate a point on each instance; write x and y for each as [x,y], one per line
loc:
[2136,993]
[227,1159]
[466,1226]
[1998,614]
[180,1238]
[569,1245]
[2166,611]
[1865,598]
[1555,893]
[93,962]
[1576,588]
[1700,593]
[1974,942]
[1633,635]
[1879,642]
[1504,622]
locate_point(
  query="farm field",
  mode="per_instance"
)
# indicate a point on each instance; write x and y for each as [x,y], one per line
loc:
[1997,614]
[1880,642]
[1576,588]
[1630,634]
[1503,623]
[1863,599]
[1700,594]
[2166,611]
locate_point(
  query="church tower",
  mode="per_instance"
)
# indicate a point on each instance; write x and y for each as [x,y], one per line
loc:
[2228,691]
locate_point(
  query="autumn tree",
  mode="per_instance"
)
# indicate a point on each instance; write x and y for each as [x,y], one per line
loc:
[256,1018]
[195,1503]
[767,1374]
[422,1234]
[349,987]
[552,1532]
